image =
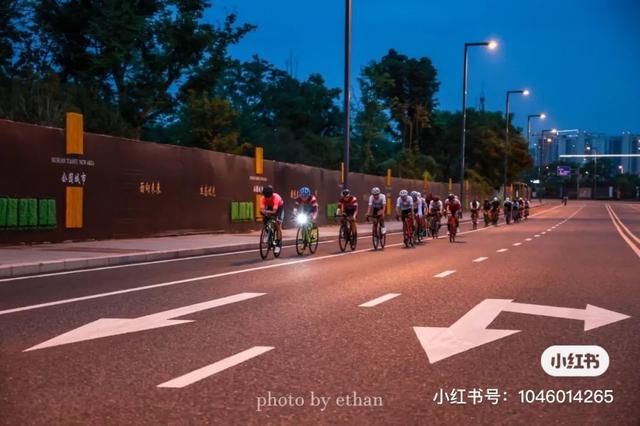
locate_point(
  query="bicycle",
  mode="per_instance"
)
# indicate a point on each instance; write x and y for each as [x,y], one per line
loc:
[486,217]
[407,231]
[494,216]
[345,236]
[417,232]
[452,226]
[268,239]
[378,238]
[434,225]
[307,235]
[508,216]
[474,219]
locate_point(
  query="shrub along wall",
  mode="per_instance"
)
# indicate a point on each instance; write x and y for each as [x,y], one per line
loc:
[51,190]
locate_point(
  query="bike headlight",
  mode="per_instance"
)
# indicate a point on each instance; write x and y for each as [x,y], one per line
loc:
[302,219]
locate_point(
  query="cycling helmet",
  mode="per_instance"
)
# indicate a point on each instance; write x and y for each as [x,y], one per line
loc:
[451,196]
[414,194]
[267,191]
[375,190]
[507,199]
[404,193]
[304,192]
[345,192]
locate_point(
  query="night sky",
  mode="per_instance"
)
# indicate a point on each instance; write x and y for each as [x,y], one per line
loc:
[580,59]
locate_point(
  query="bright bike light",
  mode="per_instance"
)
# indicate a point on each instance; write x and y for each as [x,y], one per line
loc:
[302,219]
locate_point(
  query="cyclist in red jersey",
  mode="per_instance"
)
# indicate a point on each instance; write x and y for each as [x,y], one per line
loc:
[453,207]
[348,205]
[272,204]
[307,203]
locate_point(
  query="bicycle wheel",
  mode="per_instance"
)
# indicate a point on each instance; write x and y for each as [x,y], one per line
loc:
[452,232]
[314,238]
[383,237]
[265,242]
[301,244]
[343,237]
[353,241]
[375,236]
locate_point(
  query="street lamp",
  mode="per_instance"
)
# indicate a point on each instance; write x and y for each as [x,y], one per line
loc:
[541,147]
[347,91]
[492,44]
[541,116]
[524,92]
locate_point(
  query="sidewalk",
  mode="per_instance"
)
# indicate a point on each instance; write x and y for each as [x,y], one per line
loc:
[44,258]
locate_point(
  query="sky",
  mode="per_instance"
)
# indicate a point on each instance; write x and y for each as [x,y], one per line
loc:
[579,58]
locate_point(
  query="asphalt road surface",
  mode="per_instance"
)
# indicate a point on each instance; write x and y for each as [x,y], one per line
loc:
[444,333]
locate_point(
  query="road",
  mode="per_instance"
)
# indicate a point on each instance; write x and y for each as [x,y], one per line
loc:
[231,339]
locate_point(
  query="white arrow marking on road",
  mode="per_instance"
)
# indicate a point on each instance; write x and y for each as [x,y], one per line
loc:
[106,327]
[379,300]
[443,274]
[480,259]
[216,367]
[471,330]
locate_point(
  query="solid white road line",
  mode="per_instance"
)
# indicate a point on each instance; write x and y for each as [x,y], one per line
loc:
[619,227]
[517,244]
[502,250]
[480,259]
[379,300]
[216,367]
[444,274]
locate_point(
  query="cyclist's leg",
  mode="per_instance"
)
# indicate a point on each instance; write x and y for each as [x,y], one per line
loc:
[279,218]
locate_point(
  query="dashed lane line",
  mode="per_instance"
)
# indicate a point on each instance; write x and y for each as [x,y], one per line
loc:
[377,301]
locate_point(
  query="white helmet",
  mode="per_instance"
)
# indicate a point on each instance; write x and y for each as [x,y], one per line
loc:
[375,190]
[404,193]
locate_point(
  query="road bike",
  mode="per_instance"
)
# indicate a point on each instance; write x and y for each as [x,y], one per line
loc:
[494,216]
[434,225]
[474,219]
[508,216]
[268,240]
[526,213]
[452,227]
[345,236]
[487,218]
[407,231]
[377,237]
[307,235]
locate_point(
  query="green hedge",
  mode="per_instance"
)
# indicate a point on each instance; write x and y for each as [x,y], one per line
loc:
[331,210]
[241,211]
[21,213]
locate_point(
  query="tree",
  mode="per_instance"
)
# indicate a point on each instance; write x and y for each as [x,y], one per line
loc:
[406,87]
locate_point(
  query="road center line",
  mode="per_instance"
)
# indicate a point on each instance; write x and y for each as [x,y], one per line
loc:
[502,250]
[517,244]
[480,259]
[617,223]
[444,274]
[527,239]
[379,300]
[216,367]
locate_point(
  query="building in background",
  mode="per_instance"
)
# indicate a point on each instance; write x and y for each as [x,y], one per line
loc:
[575,142]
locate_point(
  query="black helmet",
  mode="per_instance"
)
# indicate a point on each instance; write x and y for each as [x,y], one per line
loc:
[345,192]
[267,191]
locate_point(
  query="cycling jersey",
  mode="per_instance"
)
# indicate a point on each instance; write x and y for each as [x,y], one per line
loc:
[377,203]
[417,206]
[348,205]
[435,205]
[308,206]
[507,205]
[474,205]
[406,204]
[272,203]
[452,206]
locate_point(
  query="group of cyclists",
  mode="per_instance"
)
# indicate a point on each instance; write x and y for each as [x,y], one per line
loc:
[423,212]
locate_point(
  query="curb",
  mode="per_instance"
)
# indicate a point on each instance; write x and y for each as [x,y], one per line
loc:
[26,269]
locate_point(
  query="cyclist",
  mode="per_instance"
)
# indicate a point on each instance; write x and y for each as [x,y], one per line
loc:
[348,205]
[527,205]
[272,205]
[418,210]
[377,205]
[453,207]
[307,203]
[404,205]
[508,206]
[495,209]
[486,206]
[435,209]
[474,206]
[516,210]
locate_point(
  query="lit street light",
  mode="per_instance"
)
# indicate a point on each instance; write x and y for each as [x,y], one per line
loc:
[491,45]
[541,116]
[524,92]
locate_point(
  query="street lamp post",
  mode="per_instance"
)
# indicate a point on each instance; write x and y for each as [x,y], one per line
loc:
[524,92]
[347,91]
[595,169]
[541,116]
[541,146]
[491,45]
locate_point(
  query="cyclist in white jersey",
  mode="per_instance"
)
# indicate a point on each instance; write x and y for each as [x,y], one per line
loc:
[377,205]
[404,205]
